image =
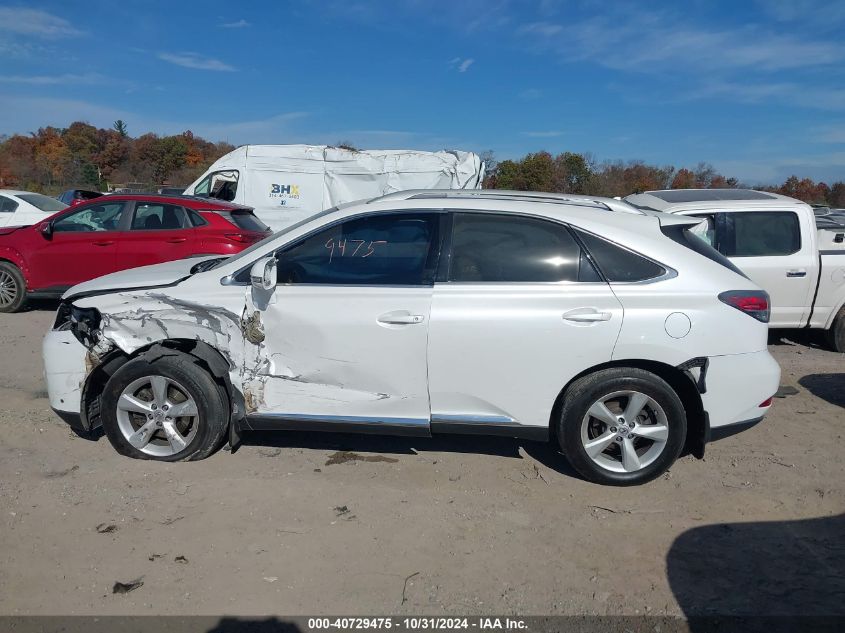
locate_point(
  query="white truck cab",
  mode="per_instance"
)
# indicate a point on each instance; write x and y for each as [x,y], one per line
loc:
[775,241]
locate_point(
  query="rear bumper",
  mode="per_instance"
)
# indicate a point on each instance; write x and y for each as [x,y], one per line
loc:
[721,432]
[736,387]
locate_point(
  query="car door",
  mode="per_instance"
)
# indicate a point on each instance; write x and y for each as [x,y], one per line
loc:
[158,232]
[80,246]
[768,247]
[347,328]
[520,312]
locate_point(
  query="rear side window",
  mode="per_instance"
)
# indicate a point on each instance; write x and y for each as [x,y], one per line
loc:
[390,249]
[619,264]
[158,217]
[245,220]
[760,234]
[508,248]
[44,203]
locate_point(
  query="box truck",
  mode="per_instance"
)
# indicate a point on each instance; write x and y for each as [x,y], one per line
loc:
[288,183]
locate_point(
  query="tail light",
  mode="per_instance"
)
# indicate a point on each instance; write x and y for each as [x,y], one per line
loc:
[754,303]
[243,238]
[766,403]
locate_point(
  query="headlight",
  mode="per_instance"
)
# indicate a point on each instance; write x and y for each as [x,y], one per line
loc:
[62,317]
[85,323]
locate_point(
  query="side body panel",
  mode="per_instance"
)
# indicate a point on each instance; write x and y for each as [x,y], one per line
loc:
[332,353]
[501,353]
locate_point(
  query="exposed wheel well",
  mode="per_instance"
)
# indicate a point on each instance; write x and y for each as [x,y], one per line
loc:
[206,356]
[683,386]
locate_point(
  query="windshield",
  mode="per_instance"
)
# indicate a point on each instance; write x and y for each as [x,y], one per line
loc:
[44,203]
[258,245]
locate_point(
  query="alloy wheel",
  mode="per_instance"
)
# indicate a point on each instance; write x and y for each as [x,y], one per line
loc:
[624,431]
[157,416]
[8,289]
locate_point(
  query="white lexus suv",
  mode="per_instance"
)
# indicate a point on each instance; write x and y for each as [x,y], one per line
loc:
[616,333]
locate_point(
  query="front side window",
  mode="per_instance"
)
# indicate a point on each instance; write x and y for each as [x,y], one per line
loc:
[98,217]
[510,248]
[158,217]
[618,264]
[7,205]
[390,249]
[222,185]
[760,234]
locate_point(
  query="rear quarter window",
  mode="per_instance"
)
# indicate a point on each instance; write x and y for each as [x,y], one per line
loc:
[245,220]
[617,263]
[685,236]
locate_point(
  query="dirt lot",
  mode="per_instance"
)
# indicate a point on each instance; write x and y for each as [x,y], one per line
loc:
[293,523]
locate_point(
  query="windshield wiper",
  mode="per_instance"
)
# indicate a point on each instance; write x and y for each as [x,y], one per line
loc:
[207,264]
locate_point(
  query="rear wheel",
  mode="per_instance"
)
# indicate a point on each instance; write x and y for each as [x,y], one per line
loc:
[12,288]
[836,334]
[621,426]
[167,409]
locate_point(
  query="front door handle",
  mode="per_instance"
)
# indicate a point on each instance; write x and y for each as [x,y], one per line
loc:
[104,243]
[586,315]
[177,240]
[796,273]
[401,319]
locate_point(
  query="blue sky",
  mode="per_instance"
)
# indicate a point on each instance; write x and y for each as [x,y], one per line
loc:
[755,88]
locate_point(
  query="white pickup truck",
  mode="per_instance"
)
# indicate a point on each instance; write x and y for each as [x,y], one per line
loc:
[775,241]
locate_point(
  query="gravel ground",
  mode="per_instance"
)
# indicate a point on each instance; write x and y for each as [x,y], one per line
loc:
[299,524]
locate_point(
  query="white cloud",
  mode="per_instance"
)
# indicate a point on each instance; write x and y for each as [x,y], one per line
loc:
[531,94]
[35,22]
[53,80]
[789,93]
[460,64]
[239,24]
[23,114]
[653,42]
[544,134]
[195,60]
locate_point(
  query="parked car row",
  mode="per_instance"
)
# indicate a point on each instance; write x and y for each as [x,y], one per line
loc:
[112,233]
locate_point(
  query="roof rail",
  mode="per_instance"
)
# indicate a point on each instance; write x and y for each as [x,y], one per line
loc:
[607,204]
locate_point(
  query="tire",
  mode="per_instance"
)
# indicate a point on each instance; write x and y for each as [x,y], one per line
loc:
[12,288]
[144,419]
[836,334]
[629,455]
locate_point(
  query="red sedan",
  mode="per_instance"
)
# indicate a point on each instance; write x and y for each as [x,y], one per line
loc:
[113,233]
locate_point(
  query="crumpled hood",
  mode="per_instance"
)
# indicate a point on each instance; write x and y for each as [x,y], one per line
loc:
[155,276]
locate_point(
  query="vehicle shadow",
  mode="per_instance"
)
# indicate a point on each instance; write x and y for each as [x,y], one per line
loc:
[48,305]
[828,387]
[803,337]
[544,453]
[784,570]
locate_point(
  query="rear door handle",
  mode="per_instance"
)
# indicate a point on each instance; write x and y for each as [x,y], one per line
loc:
[177,240]
[796,273]
[586,315]
[401,319]
[104,243]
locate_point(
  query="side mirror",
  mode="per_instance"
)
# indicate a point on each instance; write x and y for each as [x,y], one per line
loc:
[263,274]
[46,229]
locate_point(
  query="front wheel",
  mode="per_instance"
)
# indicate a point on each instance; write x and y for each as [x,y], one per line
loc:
[12,288]
[621,426]
[166,409]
